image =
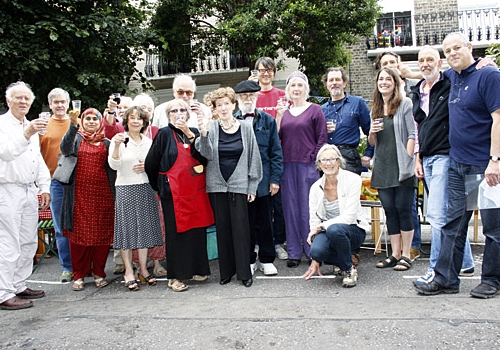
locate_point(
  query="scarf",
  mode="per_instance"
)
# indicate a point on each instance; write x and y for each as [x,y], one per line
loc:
[96,136]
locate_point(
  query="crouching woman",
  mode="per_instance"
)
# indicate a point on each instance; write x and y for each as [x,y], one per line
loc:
[336,220]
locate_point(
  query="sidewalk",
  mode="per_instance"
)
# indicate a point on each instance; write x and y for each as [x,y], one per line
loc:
[282,312]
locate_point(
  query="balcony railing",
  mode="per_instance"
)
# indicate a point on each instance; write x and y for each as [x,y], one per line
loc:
[156,65]
[480,26]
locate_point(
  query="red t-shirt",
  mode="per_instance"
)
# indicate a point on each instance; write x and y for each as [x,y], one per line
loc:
[267,100]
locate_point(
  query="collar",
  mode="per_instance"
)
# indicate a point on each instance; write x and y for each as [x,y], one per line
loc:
[344,99]
[424,83]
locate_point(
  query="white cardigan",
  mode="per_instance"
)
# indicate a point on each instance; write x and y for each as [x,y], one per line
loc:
[349,190]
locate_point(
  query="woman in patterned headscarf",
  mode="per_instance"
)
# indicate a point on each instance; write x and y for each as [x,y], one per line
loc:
[88,208]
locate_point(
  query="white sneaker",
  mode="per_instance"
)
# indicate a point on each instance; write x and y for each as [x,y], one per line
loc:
[281,252]
[427,278]
[268,268]
[253,267]
[350,278]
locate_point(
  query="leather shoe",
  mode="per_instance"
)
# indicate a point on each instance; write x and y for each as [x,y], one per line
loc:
[247,283]
[293,262]
[225,281]
[15,303]
[434,288]
[29,293]
[484,291]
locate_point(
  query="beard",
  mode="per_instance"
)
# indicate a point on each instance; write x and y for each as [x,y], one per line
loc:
[336,91]
[246,108]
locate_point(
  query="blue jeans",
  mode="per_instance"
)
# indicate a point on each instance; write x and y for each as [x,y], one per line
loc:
[336,244]
[56,198]
[454,233]
[436,179]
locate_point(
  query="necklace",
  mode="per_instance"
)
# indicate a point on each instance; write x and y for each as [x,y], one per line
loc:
[183,139]
[233,122]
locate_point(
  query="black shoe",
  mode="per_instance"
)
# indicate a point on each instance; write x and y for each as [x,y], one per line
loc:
[293,262]
[434,288]
[247,283]
[484,291]
[225,280]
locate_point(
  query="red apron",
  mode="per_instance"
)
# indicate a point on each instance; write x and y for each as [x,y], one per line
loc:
[191,204]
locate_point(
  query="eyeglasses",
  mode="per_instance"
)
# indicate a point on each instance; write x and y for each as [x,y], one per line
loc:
[187,92]
[251,95]
[21,98]
[326,160]
[266,70]
[182,110]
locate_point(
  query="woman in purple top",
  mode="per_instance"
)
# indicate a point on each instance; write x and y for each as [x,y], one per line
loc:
[302,130]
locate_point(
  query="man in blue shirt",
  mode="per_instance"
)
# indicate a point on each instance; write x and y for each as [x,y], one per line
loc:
[345,114]
[474,112]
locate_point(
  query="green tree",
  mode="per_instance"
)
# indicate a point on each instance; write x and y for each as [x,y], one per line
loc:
[87,47]
[494,50]
[313,31]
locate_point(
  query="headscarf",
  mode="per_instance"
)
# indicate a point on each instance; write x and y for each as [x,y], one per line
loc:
[297,74]
[96,136]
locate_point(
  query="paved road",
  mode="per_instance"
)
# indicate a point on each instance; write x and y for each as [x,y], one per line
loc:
[284,312]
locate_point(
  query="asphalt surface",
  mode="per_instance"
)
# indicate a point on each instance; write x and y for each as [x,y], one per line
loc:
[282,312]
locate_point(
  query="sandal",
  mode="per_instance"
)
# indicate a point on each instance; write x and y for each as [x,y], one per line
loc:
[150,280]
[403,265]
[100,282]
[159,271]
[199,278]
[78,285]
[132,285]
[389,262]
[177,286]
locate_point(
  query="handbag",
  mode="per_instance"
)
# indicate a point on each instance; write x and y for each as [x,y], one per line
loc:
[65,168]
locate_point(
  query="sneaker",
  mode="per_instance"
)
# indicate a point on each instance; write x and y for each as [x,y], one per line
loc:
[414,253]
[268,268]
[67,276]
[350,278]
[484,291]
[426,278]
[119,269]
[253,267]
[434,288]
[336,270]
[467,272]
[281,252]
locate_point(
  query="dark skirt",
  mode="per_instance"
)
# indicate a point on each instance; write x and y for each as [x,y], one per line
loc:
[187,251]
[137,222]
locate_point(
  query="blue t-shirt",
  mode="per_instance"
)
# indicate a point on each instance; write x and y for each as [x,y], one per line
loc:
[473,97]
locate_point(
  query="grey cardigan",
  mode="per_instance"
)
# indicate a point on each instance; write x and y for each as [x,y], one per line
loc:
[404,129]
[248,173]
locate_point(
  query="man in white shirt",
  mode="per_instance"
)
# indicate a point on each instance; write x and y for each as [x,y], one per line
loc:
[183,87]
[22,170]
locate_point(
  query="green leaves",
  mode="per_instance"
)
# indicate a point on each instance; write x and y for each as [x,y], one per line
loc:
[86,47]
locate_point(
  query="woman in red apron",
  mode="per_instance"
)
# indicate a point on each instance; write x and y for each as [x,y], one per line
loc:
[176,170]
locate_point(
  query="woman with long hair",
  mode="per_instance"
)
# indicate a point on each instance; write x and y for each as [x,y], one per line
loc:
[393,135]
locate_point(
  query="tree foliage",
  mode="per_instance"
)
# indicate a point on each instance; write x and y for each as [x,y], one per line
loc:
[313,31]
[88,48]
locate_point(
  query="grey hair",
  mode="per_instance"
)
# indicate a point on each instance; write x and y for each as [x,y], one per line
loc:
[327,147]
[177,101]
[183,77]
[290,82]
[13,86]
[143,99]
[57,92]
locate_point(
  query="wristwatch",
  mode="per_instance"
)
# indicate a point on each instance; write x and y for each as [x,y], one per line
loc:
[494,158]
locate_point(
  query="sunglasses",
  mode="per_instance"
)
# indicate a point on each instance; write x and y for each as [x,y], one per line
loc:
[187,92]
[182,110]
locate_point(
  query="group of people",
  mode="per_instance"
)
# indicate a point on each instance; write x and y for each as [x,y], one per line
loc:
[149,178]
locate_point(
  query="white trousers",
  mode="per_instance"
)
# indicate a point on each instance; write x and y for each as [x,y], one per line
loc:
[18,237]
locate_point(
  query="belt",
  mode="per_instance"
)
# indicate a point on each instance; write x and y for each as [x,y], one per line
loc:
[347,146]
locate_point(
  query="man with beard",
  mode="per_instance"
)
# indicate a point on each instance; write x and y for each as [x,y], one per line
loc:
[345,114]
[266,133]
[430,110]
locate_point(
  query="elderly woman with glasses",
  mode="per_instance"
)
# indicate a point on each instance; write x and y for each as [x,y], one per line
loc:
[336,220]
[176,170]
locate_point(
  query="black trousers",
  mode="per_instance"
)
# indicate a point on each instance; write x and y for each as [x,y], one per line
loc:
[259,213]
[233,234]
